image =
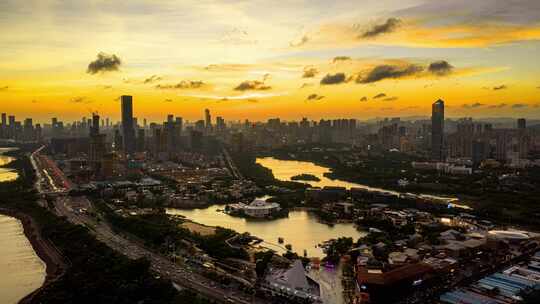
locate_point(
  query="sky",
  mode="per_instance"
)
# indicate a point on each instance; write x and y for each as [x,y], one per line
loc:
[260,59]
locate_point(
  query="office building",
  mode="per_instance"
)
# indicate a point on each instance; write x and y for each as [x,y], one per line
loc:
[437,131]
[127,124]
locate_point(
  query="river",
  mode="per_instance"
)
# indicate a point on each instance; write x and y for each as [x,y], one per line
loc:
[301,229]
[5,173]
[285,169]
[21,270]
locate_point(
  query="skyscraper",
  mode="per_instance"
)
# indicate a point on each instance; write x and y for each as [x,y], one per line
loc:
[127,124]
[208,119]
[4,119]
[437,130]
[522,123]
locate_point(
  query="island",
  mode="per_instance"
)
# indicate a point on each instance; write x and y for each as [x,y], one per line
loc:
[305,177]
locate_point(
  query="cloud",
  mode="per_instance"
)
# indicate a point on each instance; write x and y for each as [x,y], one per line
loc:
[168,100]
[473,105]
[380,95]
[391,98]
[314,97]
[104,63]
[107,87]
[519,106]
[440,68]
[184,84]
[305,85]
[310,72]
[364,98]
[299,42]
[252,85]
[386,71]
[498,106]
[4,88]
[153,78]
[389,26]
[79,99]
[501,87]
[334,79]
[238,36]
[237,97]
[340,58]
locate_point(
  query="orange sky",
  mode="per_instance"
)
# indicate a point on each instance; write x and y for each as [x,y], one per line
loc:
[241,61]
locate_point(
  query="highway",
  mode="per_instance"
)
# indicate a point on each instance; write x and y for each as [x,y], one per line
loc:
[75,209]
[71,207]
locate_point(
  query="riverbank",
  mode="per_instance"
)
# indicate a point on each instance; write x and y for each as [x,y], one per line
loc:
[45,250]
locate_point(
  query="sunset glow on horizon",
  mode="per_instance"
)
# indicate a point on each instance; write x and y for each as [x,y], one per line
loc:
[261,59]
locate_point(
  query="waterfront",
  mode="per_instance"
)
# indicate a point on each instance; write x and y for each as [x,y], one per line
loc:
[285,169]
[22,270]
[301,229]
[6,174]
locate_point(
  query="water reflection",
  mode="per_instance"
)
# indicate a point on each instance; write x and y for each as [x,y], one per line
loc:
[285,169]
[301,229]
[6,174]
[21,270]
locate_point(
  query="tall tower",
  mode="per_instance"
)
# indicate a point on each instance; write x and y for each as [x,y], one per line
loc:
[207,119]
[437,130]
[522,123]
[127,124]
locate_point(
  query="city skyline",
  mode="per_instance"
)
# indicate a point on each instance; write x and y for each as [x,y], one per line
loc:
[388,58]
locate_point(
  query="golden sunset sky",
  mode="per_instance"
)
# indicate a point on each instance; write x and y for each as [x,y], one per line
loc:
[261,59]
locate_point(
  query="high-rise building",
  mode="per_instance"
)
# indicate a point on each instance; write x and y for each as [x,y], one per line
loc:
[94,128]
[437,131]
[4,119]
[207,119]
[127,124]
[521,124]
[97,146]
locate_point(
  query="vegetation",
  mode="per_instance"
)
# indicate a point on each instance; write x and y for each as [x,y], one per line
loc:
[305,177]
[159,231]
[96,273]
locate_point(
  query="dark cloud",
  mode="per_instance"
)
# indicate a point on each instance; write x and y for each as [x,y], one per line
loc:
[168,100]
[252,100]
[153,78]
[299,42]
[252,85]
[4,88]
[266,76]
[519,106]
[104,63]
[340,58]
[385,71]
[310,72]
[498,106]
[389,26]
[501,87]
[314,97]
[440,68]
[80,99]
[380,95]
[364,98]
[305,85]
[473,105]
[391,98]
[184,84]
[334,79]
[107,87]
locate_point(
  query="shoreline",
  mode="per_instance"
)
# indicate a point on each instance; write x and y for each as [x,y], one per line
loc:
[45,250]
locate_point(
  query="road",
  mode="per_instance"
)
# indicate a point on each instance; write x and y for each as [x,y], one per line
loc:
[71,207]
[75,210]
